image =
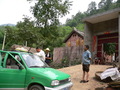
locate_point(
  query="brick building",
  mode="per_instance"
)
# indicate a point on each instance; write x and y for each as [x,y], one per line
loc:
[75,38]
[73,50]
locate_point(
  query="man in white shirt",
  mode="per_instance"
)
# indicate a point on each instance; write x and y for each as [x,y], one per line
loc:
[40,53]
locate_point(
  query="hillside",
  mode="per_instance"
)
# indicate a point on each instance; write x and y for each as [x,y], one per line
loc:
[7,24]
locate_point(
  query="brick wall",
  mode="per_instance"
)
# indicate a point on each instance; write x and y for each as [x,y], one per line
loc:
[74,40]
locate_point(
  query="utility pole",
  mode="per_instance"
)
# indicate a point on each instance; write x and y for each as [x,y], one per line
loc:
[3,46]
[26,43]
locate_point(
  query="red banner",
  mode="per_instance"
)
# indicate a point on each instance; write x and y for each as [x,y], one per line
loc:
[94,43]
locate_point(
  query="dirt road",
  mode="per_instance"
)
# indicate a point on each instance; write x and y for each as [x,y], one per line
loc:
[76,75]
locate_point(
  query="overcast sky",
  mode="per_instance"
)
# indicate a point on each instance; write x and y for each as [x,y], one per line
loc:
[12,11]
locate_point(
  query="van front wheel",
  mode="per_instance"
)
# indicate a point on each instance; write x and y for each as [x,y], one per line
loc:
[36,87]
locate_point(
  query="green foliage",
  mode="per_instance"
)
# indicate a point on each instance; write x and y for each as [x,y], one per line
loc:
[65,62]
[35,36]
[44,30]
[80,27]
[64,30]
[77,19]
[92,8]
[47,12]
[2,29]
[27,32]
[103,5]
[11,36]
[71,23]
[109,48]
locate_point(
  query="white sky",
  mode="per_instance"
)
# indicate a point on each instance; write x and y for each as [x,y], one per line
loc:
[12,11]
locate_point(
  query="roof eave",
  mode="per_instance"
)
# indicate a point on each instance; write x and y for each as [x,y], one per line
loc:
[111,14]
[70,36]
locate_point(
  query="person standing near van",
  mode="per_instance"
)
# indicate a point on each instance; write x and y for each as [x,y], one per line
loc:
[86,58]
[40,53]
[47,56]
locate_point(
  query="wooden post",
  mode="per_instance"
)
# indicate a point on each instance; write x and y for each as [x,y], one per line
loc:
[119,36]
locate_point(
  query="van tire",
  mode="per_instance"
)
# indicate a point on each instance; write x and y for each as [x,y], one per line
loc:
[36,87]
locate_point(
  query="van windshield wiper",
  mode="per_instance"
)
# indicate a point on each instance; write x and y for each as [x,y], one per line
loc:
[35,66]
[38,66]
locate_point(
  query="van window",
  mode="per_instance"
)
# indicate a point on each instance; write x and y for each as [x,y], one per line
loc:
[33,61]
[2,55]
[11,63]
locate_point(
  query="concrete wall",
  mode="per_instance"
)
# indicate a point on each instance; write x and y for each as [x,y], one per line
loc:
[88,35]
[102,27]
[69,53]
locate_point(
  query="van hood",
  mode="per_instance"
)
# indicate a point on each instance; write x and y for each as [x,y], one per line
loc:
[50,73]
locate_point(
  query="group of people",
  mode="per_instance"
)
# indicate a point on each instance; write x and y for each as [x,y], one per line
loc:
[45,56]
[86,59]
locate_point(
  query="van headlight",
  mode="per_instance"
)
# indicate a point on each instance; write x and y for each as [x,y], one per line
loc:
[69,79]
[55,83]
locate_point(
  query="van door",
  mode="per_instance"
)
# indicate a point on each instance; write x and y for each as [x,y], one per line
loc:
[11,76]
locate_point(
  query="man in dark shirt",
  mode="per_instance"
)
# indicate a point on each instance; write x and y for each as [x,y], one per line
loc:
[47,56]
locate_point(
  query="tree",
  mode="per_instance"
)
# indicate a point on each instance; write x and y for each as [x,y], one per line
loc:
[79,17]
[43,31]
[27,32]
[23,32]
[47,14]
[109,48]
[2,30]
[108,4]
[101,4]
[105,4]
[75,20]
[80,27]
[92,8]
[71,22]
[11,36]
[118,3]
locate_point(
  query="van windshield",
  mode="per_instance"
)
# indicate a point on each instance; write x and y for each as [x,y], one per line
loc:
[33,61]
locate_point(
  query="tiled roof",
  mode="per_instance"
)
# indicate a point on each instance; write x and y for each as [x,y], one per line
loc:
[81,34]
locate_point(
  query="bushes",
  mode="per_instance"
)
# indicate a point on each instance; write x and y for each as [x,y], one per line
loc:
[65,63]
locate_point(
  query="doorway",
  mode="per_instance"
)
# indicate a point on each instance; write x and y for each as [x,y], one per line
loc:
[109,52]
[103,41]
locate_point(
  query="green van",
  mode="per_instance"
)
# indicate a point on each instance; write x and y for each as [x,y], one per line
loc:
[25,71]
